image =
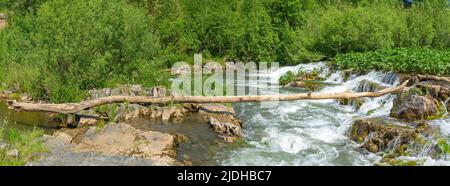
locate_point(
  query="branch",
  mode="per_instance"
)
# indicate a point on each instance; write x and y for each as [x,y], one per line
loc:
[70,108]
[436,78]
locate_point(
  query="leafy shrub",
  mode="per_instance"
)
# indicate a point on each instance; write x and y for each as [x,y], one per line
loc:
[60,53]
[287,78]
[404,60]
[379,25]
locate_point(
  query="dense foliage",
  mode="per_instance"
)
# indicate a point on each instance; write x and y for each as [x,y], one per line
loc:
[60,53]
[56,50]
[421,61]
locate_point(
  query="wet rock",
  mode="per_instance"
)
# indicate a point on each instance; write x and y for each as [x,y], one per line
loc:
[222,120]
[395,140]
[411,104]
[206,109]
[357,103]
[156,113]
[180,138]
[127,112]
[437,91]
[225,128]
[13,153]
[167,113]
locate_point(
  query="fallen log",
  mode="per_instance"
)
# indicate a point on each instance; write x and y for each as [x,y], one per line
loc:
[70,108]
[435,78]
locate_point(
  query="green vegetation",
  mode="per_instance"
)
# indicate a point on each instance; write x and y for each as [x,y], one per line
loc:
[443,145]
[27,143]
[287,78]
[378,25]
[60,53]
[56,50]
[423,61]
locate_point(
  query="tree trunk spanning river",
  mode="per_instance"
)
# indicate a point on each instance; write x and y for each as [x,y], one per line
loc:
[304,132]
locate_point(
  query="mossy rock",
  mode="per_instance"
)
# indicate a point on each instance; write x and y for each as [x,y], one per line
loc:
[413,104]
[377,136]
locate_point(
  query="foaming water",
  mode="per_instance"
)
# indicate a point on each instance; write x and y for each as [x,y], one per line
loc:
[312,132]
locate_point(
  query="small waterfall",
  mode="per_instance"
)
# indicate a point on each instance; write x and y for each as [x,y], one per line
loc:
[314,132]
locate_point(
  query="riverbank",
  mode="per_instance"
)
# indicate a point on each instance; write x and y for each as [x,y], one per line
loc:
[72,138]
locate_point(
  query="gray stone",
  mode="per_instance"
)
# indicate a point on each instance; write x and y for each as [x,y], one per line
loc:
[136,90]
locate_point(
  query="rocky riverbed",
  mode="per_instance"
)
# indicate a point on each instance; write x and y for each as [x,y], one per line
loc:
[408,128]
[112,134]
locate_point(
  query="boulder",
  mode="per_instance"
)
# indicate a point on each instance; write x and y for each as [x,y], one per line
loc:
[412,104]
[375,135]
[225,128]
[114,145]
[437,91]
[122,139]
[222,120]
[136,90]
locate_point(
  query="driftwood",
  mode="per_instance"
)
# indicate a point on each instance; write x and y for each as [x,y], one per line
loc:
[70,108]
[435,78]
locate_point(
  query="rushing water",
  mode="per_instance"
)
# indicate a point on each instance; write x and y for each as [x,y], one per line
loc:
[305,132]
[312,132]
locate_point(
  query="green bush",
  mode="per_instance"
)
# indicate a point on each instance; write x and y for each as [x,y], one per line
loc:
[60,53]
[378,25]
[287,78]
[421,60]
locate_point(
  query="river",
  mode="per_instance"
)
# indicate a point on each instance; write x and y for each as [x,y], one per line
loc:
[306,132]
[314,132]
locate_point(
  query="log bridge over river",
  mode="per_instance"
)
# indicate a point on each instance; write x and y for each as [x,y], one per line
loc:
[71,108]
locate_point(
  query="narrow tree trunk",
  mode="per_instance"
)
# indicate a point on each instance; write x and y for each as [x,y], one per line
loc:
[436,78]
[70,108]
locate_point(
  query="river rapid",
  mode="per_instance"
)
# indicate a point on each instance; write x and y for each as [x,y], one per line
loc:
[314,132]
[304,132]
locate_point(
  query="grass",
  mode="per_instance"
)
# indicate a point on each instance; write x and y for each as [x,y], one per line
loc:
[28,143]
